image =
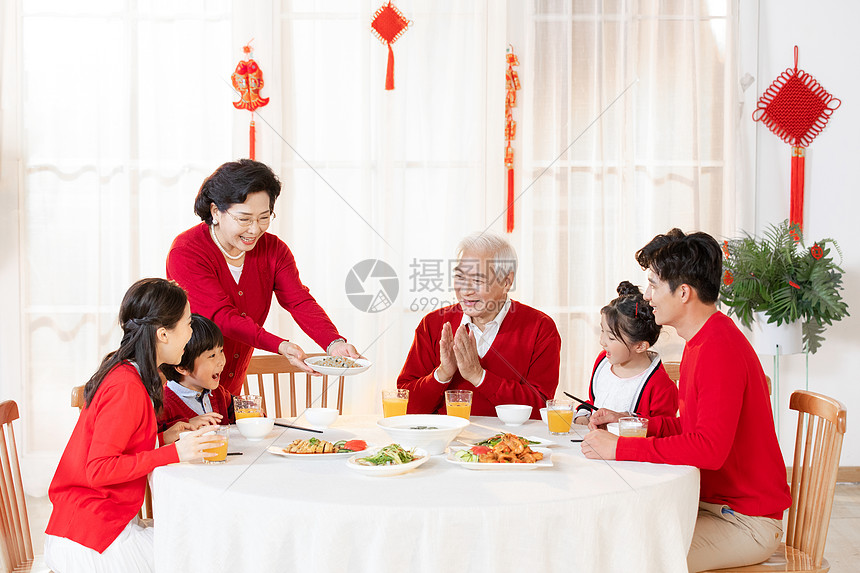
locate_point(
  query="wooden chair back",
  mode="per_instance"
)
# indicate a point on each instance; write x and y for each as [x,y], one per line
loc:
[821,423]
[673,369]
[79,402]
[821,426]
[279,369]
[16,543]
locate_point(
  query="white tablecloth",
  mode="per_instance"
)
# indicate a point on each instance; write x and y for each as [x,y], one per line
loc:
[265,513]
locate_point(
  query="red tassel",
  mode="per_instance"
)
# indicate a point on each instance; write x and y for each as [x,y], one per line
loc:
[389,73]
[252,136]
[510,226]
[798,164]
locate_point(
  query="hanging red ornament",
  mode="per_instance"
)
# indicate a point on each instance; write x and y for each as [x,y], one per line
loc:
[512,84]
[248,81]
[816,251]
[388,25]
[796,108]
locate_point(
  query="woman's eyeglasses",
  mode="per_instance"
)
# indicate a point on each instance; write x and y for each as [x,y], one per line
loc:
[262,221]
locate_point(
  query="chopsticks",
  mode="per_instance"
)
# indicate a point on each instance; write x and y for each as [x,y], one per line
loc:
[585,404]
[285,425]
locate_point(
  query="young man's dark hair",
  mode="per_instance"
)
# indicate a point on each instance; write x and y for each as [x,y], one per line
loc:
[694,259]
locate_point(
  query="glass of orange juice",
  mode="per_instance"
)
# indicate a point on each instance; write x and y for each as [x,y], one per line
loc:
[219,447]
[248,406]
[458,403]
[559,416]
[394,402]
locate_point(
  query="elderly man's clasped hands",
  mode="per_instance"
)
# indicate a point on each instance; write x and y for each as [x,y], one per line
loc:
[459,352]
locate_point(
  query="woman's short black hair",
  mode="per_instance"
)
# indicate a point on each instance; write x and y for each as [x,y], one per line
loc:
[232,183]
[629,317]
[205,335]
[694,259]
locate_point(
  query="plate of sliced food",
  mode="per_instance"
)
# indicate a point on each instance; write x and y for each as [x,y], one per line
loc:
[530,441]
[508,453]
[390,460]
[314,448]
[338,365]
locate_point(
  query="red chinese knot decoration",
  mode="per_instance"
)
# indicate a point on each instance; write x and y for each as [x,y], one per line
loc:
[512,84]
[796,108]
[388,25]
[248,81]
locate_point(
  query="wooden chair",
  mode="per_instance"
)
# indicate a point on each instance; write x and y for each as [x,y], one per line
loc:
[673,369]
[17,546]
[820,429]
[145,512]
[274,365]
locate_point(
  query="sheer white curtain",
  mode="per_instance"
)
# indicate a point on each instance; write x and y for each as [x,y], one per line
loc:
[107,139]
[123,111]
[372,174]
[628,117]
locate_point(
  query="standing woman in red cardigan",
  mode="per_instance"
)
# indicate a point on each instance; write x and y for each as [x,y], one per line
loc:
[99,484]
[230,267]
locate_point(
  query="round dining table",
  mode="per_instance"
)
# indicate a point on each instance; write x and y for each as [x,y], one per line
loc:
[262,512]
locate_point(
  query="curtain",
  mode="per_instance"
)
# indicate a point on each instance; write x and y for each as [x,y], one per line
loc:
[629,123]
[625,129]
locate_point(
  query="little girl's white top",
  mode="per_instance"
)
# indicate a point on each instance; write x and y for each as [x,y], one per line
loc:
[619,394]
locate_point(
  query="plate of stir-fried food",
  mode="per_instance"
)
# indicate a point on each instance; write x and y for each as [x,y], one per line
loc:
[531,441]
[338,365]
[390,460]
[315,448]
[508,452]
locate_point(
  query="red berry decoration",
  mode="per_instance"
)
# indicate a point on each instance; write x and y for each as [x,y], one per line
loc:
[728,278]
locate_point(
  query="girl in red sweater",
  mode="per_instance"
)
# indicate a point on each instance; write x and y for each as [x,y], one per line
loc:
[99,484]
[629,378]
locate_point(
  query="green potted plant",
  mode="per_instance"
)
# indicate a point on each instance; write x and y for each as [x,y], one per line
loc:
[779,276]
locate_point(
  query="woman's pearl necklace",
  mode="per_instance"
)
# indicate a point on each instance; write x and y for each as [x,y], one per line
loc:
[220,248]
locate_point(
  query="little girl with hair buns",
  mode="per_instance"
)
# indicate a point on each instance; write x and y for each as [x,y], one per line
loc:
[628,378]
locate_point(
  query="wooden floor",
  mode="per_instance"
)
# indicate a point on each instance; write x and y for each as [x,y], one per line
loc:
[843,538]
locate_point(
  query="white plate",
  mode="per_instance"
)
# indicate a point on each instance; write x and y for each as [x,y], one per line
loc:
[380,471]
[363,363]
[279,451]
[544,463]
[540,442]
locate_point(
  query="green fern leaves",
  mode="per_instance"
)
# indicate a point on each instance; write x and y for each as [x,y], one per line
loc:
[780,276]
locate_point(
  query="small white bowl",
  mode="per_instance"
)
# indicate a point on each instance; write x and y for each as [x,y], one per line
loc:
[430,432]
[255,429]
[543,415]
[612,427]
[513,414]
[321,418]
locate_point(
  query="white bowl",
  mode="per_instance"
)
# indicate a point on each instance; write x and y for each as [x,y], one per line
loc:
[255,429]
[612,427]
[543,415]
[438,431]
[513,414]
[321,418]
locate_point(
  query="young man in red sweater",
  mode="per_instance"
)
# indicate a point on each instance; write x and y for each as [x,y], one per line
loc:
[503,351]
[725,426]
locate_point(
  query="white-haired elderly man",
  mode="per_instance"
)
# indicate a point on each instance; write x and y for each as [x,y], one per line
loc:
[502,350]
